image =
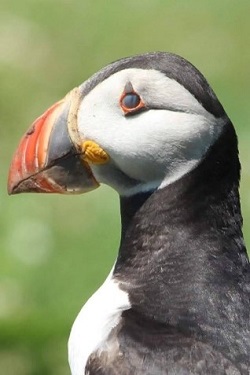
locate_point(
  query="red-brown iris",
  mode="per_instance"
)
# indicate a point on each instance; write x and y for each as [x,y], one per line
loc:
[131,102]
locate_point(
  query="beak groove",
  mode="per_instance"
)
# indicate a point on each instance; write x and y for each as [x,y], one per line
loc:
[48,158]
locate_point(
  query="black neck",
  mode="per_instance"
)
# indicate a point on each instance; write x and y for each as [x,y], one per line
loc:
[182,245]
[129,206]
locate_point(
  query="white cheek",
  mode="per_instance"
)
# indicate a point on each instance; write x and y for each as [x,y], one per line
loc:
[154,145]
[98,119]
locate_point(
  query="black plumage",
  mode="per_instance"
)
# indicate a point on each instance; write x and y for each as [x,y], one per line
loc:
[182,276]
[183,261]
[174,67]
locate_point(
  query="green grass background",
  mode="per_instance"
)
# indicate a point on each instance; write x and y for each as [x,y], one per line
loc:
[56,250]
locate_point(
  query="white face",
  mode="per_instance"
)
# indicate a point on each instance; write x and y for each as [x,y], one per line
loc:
[152,148]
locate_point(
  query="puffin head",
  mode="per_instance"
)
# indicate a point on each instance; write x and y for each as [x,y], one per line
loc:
[138,124]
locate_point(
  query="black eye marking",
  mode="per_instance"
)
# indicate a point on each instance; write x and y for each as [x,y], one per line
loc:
[128,87]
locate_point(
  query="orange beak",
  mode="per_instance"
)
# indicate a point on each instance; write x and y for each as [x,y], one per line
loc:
[49,157]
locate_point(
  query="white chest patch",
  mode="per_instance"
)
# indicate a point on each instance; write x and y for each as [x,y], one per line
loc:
[97,318]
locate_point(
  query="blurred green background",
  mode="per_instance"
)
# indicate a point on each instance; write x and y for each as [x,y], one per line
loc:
[56,250]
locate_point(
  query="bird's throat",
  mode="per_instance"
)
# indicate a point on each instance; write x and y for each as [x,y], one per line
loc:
[177,240]
[129,206]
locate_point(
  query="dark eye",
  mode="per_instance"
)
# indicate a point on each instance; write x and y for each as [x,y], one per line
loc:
[131,101]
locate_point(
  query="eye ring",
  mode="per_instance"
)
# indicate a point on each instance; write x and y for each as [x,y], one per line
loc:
[131,102]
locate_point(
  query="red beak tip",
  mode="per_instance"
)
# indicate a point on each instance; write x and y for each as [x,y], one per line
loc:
[13,187]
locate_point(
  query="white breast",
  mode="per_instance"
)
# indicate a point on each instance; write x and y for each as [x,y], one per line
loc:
[94,322]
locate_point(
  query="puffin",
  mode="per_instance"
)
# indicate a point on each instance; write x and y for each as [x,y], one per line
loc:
[177,300]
